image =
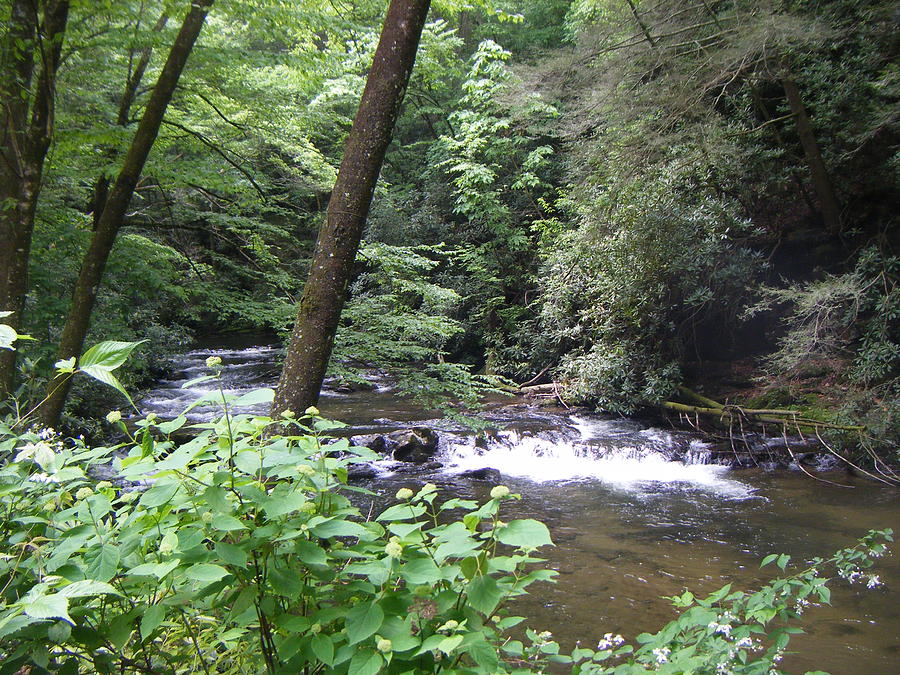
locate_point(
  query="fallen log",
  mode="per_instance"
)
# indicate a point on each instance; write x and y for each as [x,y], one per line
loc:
[787,418]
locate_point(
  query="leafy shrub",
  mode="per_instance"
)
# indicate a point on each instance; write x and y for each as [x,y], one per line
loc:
[654,264]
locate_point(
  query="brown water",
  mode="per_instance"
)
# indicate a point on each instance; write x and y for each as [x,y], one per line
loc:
[631,527]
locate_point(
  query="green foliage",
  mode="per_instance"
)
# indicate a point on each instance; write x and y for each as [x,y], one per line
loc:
[400,322]
[246,554]
[653,262]
[853,316]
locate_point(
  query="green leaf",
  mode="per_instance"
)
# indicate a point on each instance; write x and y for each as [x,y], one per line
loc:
[526,534]
[484,594]
[363,621]
[365,662]
[768,559]
[105,563]
[323,648]
[421,571]
[153,616]
[227,523]
[206,572]
[255,397]
[86,588]
[402,512]
[280,504]
[159,494]
[231,554]
[100,360]
[449,644]
[48,607]
[107,355]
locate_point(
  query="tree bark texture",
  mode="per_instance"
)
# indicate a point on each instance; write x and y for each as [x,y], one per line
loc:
[338,242]
[828,203]
[110,221]
[26,137]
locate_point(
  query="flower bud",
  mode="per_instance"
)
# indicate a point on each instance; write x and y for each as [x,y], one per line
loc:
[403,494]
[499,491]
[213,361]
[312,411]
[83,493]
[384,645]
[113,416]
[393,549]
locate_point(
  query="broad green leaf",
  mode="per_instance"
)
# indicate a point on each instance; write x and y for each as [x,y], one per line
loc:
[153,616]
[526,534]
[363,621]
[86,588]
[104,564]
[323,648]
[402,512]
[365,662]
[159,494]
[278,504]
[484,594]
[48,607]
[227,523]
[206,572]
[107,355]
[255,397]
[158,570]
[231,554]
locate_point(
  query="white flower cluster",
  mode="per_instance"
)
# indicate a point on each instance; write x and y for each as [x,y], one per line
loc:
[662,654]
[723,628]
[609,641]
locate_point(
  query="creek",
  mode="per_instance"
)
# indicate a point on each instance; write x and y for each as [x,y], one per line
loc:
[630,524]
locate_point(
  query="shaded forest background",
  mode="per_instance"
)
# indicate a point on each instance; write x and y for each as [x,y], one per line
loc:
[620,196]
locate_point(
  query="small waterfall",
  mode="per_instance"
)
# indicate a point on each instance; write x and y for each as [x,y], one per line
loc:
[614,452]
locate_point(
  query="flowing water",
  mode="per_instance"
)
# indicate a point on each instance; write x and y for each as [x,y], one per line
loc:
[630,524]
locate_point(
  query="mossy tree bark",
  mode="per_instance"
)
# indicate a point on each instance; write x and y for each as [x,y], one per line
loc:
[338,242]
[113,215]
[34,36]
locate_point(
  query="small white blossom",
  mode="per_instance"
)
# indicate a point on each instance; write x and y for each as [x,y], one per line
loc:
[873,581]
[662,654]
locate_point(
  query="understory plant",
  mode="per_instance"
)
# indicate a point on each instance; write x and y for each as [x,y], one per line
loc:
[244,550]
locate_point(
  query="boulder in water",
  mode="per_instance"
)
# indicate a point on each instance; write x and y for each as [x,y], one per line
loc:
[485,473]
[417,445]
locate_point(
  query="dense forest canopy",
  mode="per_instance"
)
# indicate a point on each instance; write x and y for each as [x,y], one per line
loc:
[622,197]
[674,208]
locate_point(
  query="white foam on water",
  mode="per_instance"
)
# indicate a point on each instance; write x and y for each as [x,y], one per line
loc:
[628,467]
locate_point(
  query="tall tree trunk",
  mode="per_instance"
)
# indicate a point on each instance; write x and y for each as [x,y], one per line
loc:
[101,186]
[104,235]
[828,203]
[338,241]
[26,139]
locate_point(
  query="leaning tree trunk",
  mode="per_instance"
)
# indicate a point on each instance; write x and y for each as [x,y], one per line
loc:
[26,139]
[110,221]
[338,242]
[828,203]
